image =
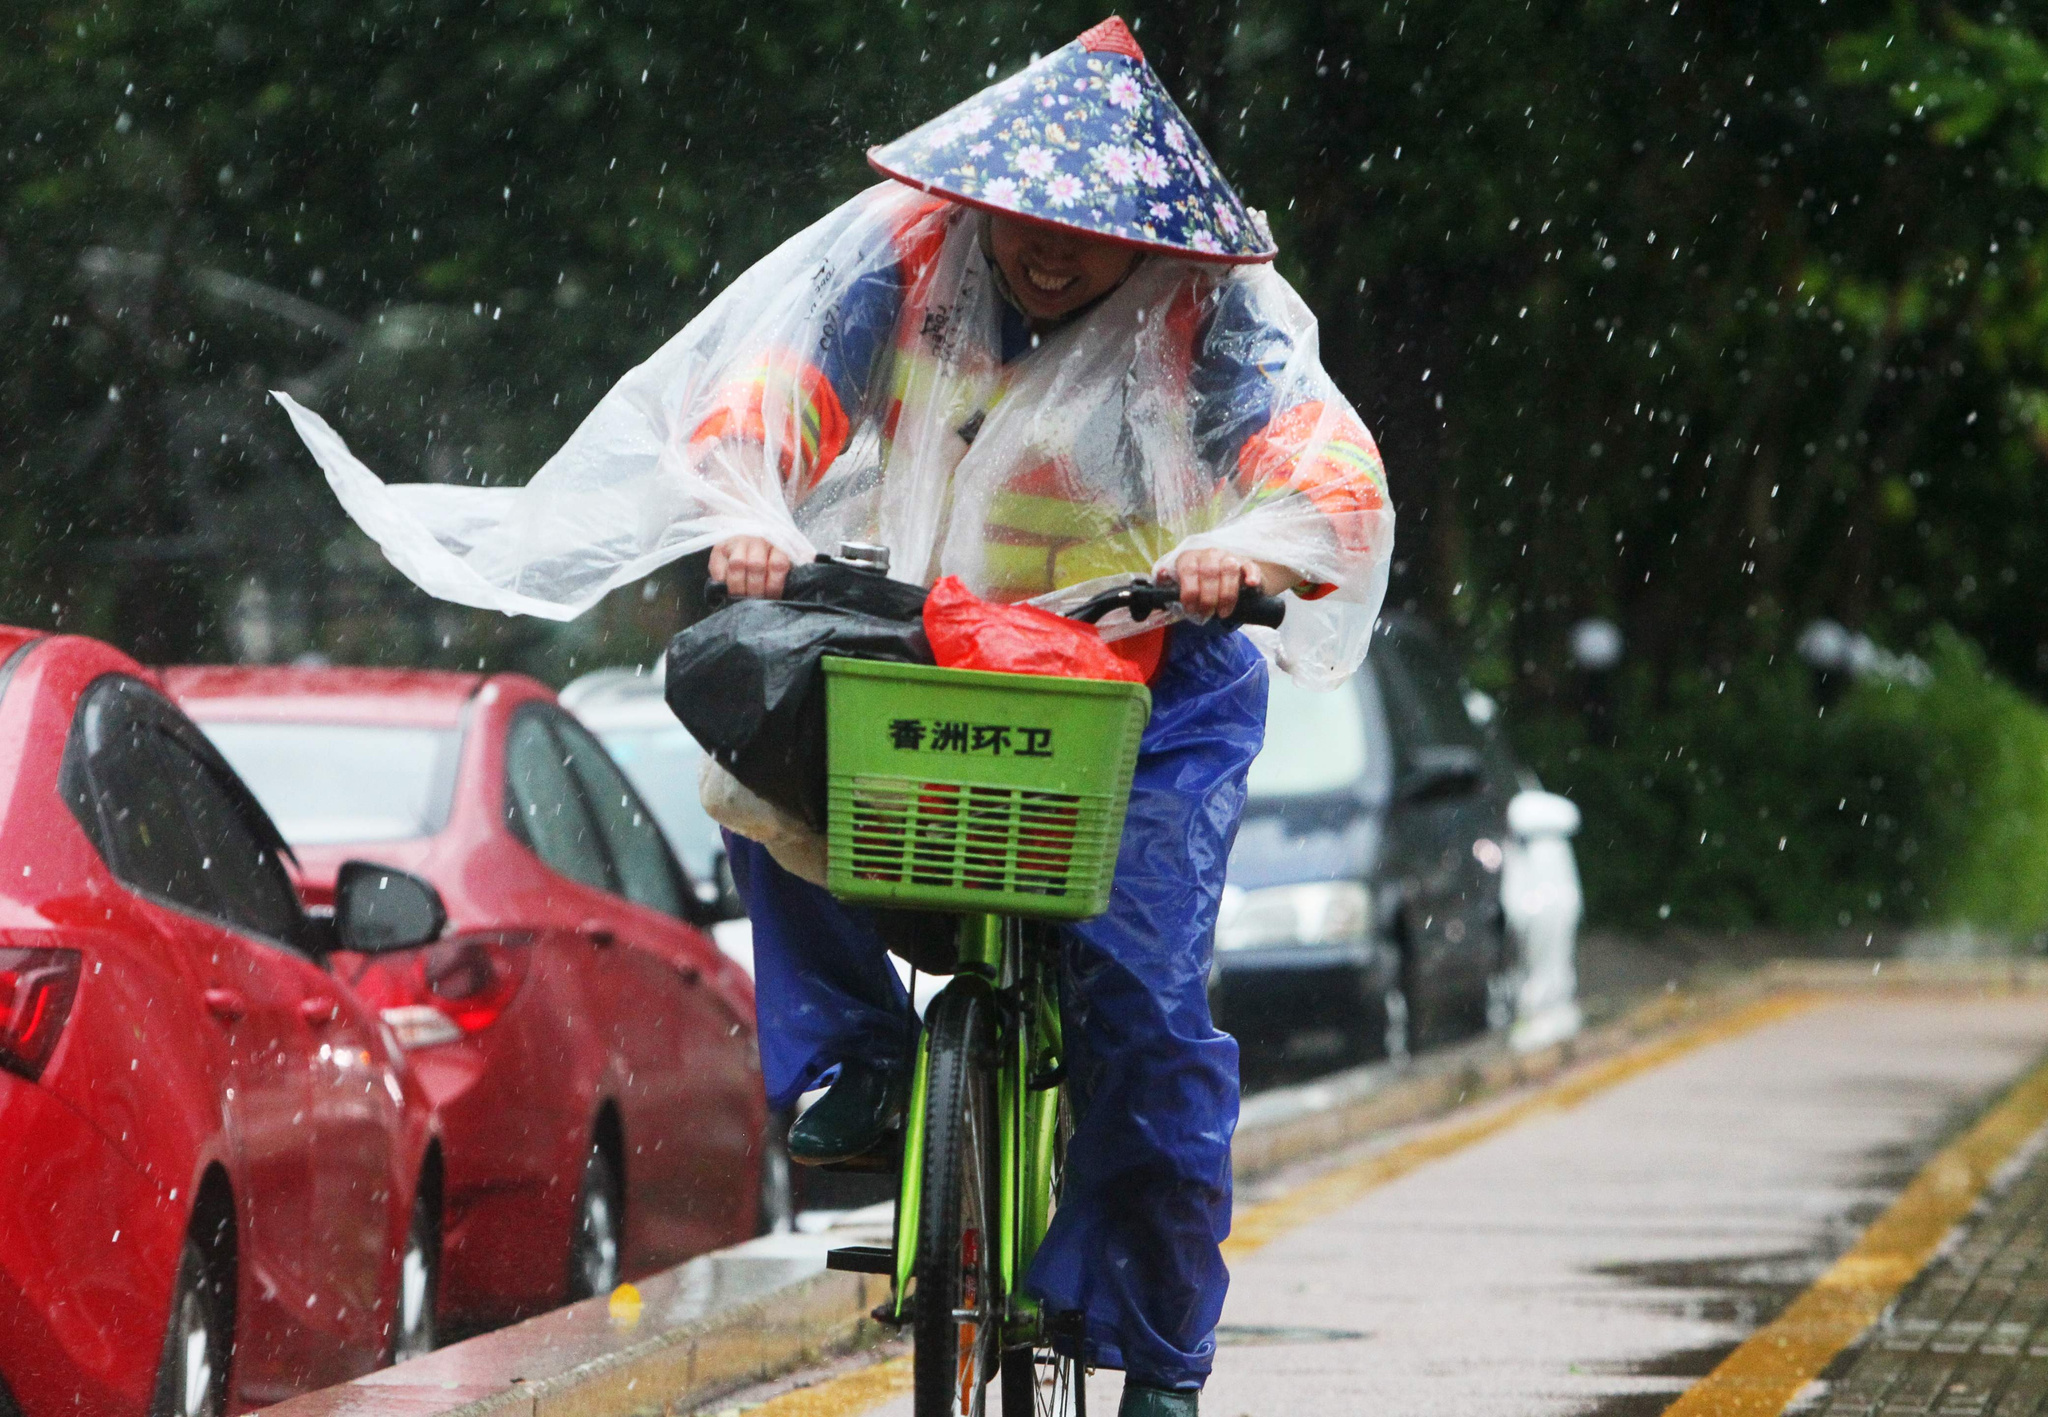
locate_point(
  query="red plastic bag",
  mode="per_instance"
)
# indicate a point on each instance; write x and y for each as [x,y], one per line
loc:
[968,632]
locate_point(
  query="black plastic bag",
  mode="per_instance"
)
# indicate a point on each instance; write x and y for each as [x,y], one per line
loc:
[847,587]
[747,683]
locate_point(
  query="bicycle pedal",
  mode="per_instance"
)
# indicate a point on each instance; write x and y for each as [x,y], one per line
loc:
[862,1259]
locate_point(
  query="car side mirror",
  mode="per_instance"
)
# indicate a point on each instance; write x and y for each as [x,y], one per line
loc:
[1441,771]
[381,908]
[718,898]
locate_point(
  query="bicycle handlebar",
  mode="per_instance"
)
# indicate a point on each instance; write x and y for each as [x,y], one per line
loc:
[1144,599]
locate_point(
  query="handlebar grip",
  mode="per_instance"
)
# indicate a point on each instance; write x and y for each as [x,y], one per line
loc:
[1255,607]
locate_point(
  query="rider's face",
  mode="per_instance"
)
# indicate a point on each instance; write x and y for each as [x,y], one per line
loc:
[1052,270]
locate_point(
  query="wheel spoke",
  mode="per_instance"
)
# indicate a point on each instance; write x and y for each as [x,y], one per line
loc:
[972,1313]
[958,1293]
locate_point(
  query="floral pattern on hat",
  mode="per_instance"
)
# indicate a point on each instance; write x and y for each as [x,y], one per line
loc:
[1088,137]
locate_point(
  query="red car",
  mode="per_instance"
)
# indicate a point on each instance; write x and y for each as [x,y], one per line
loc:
[219,1183]
[589,1052]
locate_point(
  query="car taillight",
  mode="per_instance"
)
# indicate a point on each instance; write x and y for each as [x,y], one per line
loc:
[37,987]
[446,991]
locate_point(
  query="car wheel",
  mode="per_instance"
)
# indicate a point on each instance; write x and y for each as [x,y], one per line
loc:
[1504,985]
[1423,1022]
[595,1232]
[775,1213]
[1370,1039]
[419,1279]
[192,1378]
[1443,1002]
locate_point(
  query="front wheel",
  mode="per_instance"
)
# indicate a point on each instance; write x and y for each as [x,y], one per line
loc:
[413,1327]
[192,1378]
[957,1304]
[594,1237]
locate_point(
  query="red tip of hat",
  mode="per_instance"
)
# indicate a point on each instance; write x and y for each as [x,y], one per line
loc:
[1111,37]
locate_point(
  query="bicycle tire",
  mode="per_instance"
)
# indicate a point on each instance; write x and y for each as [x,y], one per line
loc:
[1039,1381]
[955,1272]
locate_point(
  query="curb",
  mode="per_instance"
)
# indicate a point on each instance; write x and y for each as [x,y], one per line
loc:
[739,1316]
[702,1329]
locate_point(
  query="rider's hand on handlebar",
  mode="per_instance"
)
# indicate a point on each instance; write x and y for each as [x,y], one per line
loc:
[750,566]
[1210,579]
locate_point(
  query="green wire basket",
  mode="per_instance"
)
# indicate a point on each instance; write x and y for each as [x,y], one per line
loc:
[960,789]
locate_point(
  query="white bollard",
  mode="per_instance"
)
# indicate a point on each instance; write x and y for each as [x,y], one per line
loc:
[1541,897]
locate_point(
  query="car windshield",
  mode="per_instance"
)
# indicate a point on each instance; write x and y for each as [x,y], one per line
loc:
[324,783]
[1315,741]
[662,763]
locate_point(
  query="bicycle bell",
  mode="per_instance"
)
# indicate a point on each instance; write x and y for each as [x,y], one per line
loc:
[864,555]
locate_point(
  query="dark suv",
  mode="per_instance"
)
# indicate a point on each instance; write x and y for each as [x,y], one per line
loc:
[1363,911]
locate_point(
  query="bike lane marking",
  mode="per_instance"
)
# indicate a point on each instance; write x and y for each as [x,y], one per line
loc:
[1259,1225]
[1773,1366]
[866,1389]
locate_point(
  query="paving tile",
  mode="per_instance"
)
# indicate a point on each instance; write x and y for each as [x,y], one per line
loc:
[1970,1337]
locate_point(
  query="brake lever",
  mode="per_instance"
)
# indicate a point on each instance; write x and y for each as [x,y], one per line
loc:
[1144,599]
[1141,598]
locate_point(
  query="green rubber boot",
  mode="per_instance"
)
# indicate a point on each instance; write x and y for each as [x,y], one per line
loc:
[1140,1401]
[854,1116]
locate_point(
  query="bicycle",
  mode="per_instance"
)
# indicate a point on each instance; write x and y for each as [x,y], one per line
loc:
[1017,834]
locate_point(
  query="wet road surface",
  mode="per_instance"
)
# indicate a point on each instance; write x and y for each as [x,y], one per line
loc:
[1584,1249]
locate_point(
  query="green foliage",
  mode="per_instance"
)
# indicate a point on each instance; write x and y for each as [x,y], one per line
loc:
[1709,319]
[1747,801]
[1984,786]
[450,226]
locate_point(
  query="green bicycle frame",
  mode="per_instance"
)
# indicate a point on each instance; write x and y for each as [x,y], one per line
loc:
[993,953]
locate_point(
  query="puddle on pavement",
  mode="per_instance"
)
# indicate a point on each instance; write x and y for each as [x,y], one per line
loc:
[1740,1292]
[1258,1335]
[1745,1292]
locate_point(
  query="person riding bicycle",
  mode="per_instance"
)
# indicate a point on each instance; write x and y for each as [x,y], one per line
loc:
[1047,355]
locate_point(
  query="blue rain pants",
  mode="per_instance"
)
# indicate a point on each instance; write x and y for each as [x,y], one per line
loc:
[1134,1246]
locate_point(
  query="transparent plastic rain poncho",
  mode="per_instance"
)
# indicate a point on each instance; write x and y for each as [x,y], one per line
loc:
[853,386]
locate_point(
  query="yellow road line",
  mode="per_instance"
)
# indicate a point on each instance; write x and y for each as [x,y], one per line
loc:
[859,1391]
[1259,1225]
[1761,1377]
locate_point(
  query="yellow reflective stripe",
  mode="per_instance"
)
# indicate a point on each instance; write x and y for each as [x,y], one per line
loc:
[1338,450]
[1117,555]
[773,381]
[916,371]
[1017,570]
[1029,569]
[1059,517]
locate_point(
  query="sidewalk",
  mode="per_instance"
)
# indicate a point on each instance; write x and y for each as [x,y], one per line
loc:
[1577,1233]
[1579,1261]
[1599,1245]
[1970,1337]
